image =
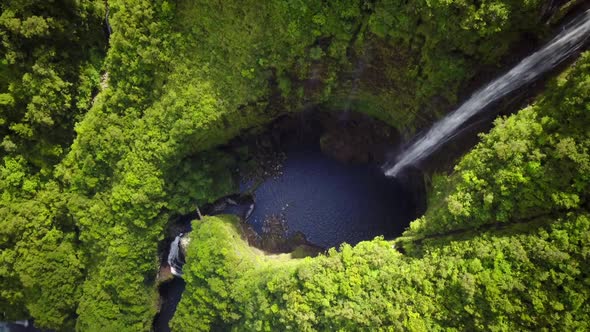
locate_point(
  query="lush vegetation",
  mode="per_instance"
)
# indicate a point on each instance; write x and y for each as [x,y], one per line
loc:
[51,56]
[529,174]
[104,140]
[534,164]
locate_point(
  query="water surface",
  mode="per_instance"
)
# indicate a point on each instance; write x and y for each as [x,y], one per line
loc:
[332,202]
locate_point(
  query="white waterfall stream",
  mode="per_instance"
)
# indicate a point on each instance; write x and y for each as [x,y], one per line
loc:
[567,42]
[175,257]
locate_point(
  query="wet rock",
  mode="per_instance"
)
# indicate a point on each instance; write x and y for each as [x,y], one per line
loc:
[164,274]
[275,238]
[184,243]
[306,250]
[274,234]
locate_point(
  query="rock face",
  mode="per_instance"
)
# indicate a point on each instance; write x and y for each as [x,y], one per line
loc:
[164,274]
[275,238]
[241,205]
[346,136]
[274,235]
[413,180]
[357,139]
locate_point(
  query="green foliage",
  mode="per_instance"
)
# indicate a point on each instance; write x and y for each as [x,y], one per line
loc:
[426,50]
[534,163]
[50,57]
[42,264]
[97,156]
[496,280]
[219,257]
[243,45]
[42,57]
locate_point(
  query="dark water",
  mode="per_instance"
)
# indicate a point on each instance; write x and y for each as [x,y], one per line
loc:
[328,201]
[170,294]
[332,202]
[13,327]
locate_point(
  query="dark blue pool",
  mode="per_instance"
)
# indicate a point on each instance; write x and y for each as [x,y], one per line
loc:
[332,202]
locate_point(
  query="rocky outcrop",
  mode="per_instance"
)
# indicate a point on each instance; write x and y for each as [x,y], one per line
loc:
[358,142]
[275,238]
[413,181]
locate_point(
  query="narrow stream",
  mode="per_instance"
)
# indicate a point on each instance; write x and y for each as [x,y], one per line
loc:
[170,294]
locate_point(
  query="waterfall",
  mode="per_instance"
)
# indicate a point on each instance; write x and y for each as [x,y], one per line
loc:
[175,257]
[567,42]
[106,19]
[249,212]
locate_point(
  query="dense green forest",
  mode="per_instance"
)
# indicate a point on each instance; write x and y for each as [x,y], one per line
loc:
[106,137]
[519,262]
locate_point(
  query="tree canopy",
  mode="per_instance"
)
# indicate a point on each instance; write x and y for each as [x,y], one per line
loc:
[528,176]
[107,136]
